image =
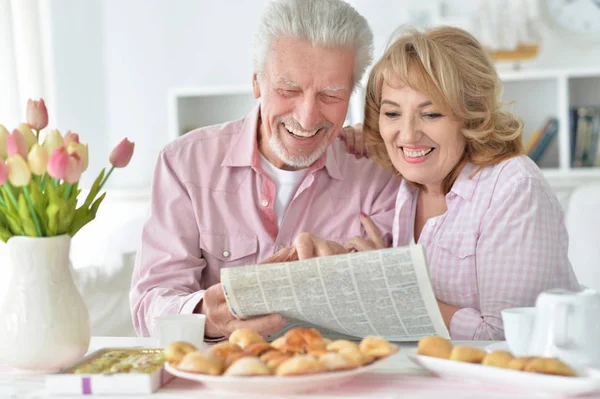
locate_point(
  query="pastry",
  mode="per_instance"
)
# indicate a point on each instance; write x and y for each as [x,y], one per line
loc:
[278,343]
[356,356]
[175,351]
[377,347]
[518,363]
[498,359]
[224,349]
[299,365]
[248,366]
[302,340]
[340,344]
[334,361]
[435,346]
[549,365]
[467,354]
[244,337]
[274,358]
[232,358]
[258,348]
[201,363]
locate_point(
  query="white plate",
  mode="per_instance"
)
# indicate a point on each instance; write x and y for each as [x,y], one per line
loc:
[273,384]
[498,346]
[589,381]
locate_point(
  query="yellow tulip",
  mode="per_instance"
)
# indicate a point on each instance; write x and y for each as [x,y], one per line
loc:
[19,174]
[37,160]
[28,135]
[3,135]
[82,151]
[53,141]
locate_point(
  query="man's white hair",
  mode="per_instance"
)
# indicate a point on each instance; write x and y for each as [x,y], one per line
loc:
[324,23]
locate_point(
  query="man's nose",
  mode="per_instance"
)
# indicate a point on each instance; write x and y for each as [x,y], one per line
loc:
[307,113]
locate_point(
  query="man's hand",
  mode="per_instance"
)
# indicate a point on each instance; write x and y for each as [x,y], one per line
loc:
[310,246]
[220,322]
[374,240]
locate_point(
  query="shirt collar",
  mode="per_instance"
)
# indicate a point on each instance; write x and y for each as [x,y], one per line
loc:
[465,183]
[244,149]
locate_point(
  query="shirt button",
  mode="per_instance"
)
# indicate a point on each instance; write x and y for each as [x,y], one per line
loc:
[226,254]
[432,222]
[264,203]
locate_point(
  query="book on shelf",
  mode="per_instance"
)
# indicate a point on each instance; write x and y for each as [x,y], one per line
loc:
[539,140]
[585,133]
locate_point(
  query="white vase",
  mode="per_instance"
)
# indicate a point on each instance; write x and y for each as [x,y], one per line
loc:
[44,323]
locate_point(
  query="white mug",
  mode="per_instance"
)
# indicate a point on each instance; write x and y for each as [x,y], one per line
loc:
[518,326]
[179,327]
[567,327]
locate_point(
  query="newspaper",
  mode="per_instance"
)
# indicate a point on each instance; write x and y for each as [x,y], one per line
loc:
[385,292]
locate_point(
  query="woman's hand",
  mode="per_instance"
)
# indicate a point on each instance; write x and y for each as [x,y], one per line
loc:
[307,246]
[447,312]
[354,139]
[374,240]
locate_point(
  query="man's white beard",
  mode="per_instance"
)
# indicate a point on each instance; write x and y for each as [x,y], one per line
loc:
[299,161]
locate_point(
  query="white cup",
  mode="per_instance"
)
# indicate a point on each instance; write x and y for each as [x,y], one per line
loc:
[179,327]
[518,327]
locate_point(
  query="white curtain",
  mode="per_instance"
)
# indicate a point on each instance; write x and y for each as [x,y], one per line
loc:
[24,56]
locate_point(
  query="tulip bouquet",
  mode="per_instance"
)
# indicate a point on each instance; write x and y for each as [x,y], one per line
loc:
[39,179]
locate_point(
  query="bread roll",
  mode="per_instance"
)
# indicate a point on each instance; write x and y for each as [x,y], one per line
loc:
[302,340]
[201,363]
[334,362]
[175,351]
[244,337]
[435,346]
[224,349]
[498,359]
[467,354]
[248,366]
[377,347]
[549,366]
[300,365]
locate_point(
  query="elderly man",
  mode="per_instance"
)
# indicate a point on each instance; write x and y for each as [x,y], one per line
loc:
[234,194]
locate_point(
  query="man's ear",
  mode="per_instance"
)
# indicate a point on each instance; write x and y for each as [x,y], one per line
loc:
[255,86]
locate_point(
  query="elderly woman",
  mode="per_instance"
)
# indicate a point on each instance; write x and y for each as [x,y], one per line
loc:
[492,227]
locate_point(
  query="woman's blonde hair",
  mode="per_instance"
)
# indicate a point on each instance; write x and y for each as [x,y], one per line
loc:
[449,66]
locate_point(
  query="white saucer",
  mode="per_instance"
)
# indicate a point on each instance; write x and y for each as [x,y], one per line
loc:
[498,346]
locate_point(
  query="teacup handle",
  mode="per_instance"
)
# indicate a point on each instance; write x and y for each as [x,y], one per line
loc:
[560,335]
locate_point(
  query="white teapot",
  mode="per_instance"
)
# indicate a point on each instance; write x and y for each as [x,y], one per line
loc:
[567,326]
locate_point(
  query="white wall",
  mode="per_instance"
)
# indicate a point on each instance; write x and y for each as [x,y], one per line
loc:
[115,60]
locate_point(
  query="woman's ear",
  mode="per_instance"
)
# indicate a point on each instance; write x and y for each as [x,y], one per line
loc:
[255,86]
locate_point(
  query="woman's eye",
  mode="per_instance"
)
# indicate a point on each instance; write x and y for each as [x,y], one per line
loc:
[432,115]
[392,114]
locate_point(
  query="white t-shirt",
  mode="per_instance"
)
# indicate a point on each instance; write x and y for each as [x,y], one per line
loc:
[286,184]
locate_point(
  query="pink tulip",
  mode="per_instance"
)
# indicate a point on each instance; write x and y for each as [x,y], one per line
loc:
[16,144]
[121,154]
[58,163]
[71,137]
[37,114]
[3,173]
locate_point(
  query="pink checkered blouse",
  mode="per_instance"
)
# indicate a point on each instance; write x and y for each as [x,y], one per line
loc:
[500,243]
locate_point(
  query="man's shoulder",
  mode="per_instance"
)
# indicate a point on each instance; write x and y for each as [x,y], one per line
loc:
[207,138]
[359,168]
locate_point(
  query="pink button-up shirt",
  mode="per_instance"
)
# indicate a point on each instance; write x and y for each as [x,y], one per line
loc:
[212,207]
[500,243]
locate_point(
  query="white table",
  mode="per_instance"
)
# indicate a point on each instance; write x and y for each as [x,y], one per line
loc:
[395,378]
